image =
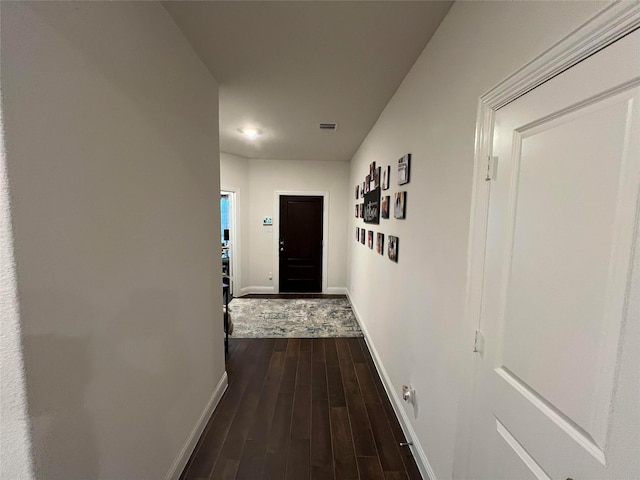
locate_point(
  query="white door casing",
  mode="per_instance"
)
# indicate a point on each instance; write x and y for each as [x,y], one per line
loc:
[556,385]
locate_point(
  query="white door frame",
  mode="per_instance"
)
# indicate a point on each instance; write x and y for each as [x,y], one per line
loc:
[325,234]
[602,30]
[234,233]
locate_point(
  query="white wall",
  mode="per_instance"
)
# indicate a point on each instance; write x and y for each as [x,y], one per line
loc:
[234,175]
[112,143]
[259,180]
[269,176]
[413,311]
[15,444]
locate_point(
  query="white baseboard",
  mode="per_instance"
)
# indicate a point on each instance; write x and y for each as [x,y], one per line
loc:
[183,457]
[336,291]
[256,290]
[396,402]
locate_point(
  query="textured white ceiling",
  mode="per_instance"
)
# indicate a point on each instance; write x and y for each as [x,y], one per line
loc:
[285,66]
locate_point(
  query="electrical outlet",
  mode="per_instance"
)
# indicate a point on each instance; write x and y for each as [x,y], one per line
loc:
[270,276]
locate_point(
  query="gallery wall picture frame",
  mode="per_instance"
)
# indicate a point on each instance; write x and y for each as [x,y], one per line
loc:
[403,169]
[376,178]
[384,206]
[392,249]
[362,210]
[400,205]
[362,235]
[357,211]
[372,169]
[386,177]
[380,243]
[370,239]
[357,234]
[367,184]
[357,191]
[362,189]
[372,206]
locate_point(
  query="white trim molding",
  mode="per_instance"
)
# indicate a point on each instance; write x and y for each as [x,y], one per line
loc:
[336,291]
[610,24]
[396,402]
[325,234]
[256,291]
[183,457]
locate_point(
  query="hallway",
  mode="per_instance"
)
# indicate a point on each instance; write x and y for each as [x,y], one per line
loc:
[302,408]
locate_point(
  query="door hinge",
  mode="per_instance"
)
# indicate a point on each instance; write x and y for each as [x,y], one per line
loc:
[478,342]
[492,167]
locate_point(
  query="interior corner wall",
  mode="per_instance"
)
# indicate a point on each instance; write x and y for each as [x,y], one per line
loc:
[234,175]
[266,177]
[111,126]
[414,310]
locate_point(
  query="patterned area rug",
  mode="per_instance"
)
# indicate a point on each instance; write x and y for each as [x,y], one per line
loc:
[305,318]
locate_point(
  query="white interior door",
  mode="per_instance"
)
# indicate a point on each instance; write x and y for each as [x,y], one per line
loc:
[558,385]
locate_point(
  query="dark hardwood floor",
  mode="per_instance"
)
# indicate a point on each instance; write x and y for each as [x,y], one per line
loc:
[302,409]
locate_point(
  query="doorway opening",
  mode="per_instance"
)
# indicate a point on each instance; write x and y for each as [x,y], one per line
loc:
[228,238]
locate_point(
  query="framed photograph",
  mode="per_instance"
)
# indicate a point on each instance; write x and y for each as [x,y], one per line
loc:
[393,248]
[384,206]
[357,234]
[386,174]
[370,239]
[362,189]
[362,210]
[362,235]
[376,178]
[403,169]
[367,184]
[400,205]
[372,206]
[357,191]
[372,169]
[380,243]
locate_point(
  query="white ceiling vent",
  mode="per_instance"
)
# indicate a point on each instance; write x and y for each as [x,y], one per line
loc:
[328,126]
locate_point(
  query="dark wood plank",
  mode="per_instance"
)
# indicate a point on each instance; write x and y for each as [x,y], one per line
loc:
[318,350]
[242,420]
[370,468]
[363,441]
[395,476]
[289,371]
[321,450]
[348,372]
[275,462]
[356,351]
[298,462]
[407,457]
[281,344]
[215,435]
[252,460]
[261,424]
[301,422]
[302,409]
[306,344]
[385,441]
[344,458]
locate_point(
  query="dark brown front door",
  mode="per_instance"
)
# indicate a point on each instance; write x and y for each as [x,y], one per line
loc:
[300,244]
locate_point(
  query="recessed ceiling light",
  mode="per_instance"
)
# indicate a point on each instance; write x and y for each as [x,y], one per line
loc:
[250,132]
